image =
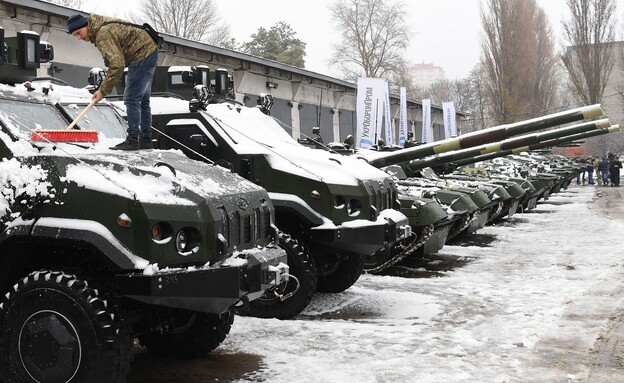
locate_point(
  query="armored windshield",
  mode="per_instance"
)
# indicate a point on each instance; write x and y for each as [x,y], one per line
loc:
[21,117]
[251,125]
[102,118]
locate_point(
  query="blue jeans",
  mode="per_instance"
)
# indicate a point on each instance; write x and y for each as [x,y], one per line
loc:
[590,177]
[605,177]
[137,96]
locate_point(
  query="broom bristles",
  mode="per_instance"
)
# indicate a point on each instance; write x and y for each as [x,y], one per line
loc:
[64,135]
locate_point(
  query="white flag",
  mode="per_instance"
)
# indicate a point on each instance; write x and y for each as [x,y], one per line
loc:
[450,126]
[388,121]
[427,133]
[370,96]
[403,117]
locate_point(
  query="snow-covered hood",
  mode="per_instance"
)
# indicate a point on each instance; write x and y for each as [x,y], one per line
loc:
[252,132]
[148,176]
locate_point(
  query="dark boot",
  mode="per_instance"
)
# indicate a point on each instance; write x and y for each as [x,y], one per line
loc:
[131,143]
[145,143]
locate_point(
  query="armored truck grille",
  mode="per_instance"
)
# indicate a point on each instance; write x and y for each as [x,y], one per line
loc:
[382,198]
[241,229]
[267,222]
[235,229]
[247,229]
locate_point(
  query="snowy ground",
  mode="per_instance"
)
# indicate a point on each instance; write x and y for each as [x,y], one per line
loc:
[538,298]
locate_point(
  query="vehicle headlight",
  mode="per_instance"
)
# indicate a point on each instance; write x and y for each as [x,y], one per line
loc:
[181,241]
[187,241]
[354,207]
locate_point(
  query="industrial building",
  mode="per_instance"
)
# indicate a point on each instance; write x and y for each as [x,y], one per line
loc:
[302,99]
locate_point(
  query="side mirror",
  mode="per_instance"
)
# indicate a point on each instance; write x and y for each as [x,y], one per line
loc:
[46,52]
[202,94]
[96,76]
[265,101]
[349,140]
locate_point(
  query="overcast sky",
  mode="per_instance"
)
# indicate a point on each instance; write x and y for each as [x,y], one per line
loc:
[445,33]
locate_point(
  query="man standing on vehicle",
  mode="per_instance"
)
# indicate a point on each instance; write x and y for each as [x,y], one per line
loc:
[123,44]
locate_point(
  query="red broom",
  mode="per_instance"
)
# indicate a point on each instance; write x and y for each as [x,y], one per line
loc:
[69,134]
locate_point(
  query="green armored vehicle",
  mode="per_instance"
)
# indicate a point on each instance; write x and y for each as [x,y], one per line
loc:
[100,247]
[336,209]
[517,171]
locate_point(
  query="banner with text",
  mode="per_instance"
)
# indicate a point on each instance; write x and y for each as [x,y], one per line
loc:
[369,108]
[427,132]
[450,125]
[389,137]
[403,116]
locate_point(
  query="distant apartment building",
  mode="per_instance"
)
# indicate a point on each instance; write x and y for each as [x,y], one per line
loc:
[426,74]
[612,100]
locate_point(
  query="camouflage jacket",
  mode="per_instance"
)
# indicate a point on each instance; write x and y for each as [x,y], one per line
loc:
[120,45]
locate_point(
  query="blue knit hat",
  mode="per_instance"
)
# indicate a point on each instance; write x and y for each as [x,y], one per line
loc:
[76,21]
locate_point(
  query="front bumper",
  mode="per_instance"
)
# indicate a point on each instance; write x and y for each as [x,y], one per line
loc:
[365,239]
[209,290]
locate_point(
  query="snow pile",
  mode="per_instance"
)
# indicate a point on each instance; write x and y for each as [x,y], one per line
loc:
[21,184]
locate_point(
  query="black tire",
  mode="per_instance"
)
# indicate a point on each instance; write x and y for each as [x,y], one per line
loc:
[55,328]
[189,335]
[339,273]
[302,266]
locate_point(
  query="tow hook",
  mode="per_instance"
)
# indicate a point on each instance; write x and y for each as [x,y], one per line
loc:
[286,278]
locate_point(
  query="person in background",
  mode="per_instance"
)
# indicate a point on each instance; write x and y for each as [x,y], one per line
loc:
[590,170]
[604,170]
[121,46]
[614,171]
[581,174]
[597,170]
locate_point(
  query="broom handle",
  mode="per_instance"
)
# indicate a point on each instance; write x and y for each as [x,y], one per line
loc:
[81,114]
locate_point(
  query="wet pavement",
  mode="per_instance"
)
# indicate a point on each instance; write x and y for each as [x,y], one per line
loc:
[217,366]
[223,366]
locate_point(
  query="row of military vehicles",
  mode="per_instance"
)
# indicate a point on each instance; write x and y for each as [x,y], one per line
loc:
[227,214]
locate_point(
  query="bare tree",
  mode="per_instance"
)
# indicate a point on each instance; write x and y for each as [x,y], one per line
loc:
[374,38]
[76,4]
[196,20]
[589,59]
[458,91]
[518,60]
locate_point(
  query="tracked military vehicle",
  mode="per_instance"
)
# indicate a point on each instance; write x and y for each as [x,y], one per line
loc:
[100,247]
[518,171]
[336,209]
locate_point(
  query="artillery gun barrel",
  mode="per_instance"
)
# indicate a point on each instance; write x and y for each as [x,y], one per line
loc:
[485,136]
[540,145]
[507,145]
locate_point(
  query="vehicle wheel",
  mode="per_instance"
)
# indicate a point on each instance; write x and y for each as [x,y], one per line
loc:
[339,273]
[302,266]
[189,334]
[55,328]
